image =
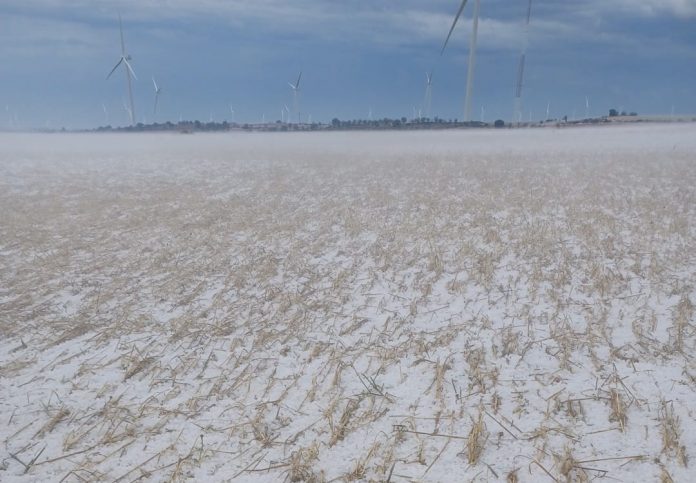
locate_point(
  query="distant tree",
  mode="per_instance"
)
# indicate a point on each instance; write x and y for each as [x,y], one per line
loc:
[499,123]
[335,122]
[613,113]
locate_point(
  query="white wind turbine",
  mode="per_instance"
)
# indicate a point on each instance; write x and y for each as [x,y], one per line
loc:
[125,60]
[158,89]
[472,54]
[296,97]
[428,94]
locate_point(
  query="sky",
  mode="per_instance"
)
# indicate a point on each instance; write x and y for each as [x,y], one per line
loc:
[357,56]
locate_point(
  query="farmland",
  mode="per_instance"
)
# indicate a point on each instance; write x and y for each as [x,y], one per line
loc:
[498,305]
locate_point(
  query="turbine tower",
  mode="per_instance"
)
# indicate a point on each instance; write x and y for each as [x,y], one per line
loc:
[428,94]
[517,113]
[296,97]
[472,54]
[125,60]
[158,89]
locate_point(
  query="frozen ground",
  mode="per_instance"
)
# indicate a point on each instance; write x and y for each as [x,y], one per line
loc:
[427,306]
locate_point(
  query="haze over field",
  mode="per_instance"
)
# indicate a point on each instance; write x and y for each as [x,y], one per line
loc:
[426,306]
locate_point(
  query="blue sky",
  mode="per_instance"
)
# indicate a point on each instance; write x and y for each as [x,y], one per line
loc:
[356,55]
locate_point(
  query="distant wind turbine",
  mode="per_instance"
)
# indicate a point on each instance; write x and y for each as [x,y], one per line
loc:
[106,114]
[158,89]
[232,112]
[296,96]
[125,60]
[472,54]
[428,93]
[587,107]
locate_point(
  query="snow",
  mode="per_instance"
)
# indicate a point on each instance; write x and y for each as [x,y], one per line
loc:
[347,306]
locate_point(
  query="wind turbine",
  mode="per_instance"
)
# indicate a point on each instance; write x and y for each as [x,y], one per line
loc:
[106,114]
[232,112]
[520,68]
[125,60]
[472,54]
[428,93]
[587,107]
[296,96]
[158,89]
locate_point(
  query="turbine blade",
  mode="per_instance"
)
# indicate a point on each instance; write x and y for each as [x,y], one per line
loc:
[155,84]
[130,69]
[454,24]
[299,78]
[292,86]
[114,69]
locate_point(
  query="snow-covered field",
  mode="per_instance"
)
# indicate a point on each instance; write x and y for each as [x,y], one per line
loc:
[409,306]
